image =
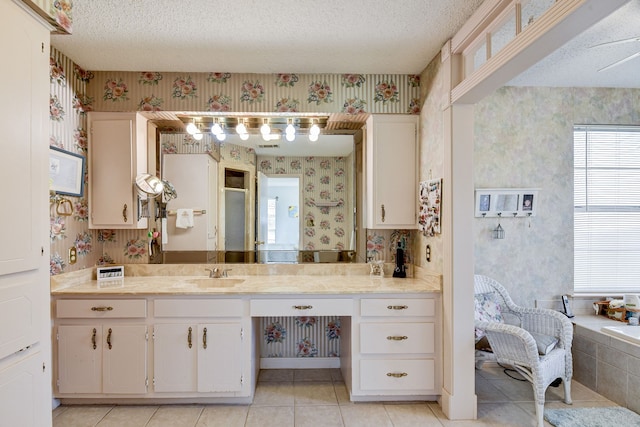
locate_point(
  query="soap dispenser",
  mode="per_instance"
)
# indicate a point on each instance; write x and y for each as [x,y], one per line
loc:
[400,270]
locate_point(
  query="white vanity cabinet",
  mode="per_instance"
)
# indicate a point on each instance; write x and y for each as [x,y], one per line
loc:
[396,348]
[100,347]
[391,154]
[117,154]
[198,346]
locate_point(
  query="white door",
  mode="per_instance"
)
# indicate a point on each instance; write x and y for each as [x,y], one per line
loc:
[175,349]
[124,354]
[220,357]
[22,392]
[279,236]
[189,174]
[80,359]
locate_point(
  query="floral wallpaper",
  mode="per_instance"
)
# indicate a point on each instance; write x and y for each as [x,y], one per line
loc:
[324,179]
[302,336]
[220,92]
[68,105]
[58,13]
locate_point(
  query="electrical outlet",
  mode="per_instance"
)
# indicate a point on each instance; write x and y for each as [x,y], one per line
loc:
[73,255]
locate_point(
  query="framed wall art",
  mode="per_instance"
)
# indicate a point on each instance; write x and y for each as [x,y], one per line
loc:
[506,202]
[430,203]
[66,172]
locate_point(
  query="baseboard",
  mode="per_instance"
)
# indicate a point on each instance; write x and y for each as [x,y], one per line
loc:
[299,362]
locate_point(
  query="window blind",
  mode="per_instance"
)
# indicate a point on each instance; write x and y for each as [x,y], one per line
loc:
[606,209]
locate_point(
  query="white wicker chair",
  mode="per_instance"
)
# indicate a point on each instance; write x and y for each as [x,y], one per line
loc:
[512,343]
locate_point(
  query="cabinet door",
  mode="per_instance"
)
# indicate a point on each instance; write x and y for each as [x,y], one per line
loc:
[220,357]
[79,359]
[175,349]
[23,390]
[391,172]
[111,195]
[124,352]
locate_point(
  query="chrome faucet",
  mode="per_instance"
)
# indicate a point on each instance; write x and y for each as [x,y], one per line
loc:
[216,273]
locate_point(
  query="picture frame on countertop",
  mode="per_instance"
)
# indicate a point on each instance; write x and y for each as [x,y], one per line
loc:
[506,202]
[66,172]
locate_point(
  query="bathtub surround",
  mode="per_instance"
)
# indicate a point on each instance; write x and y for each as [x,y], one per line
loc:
[608,365]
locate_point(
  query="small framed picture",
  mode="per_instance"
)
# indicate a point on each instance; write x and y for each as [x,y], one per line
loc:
[66,172]
[506,202]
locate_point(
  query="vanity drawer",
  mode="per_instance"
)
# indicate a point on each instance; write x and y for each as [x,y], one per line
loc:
[301,307]
[397,338]
[400,307]
[197,308]
[101,308]
[397,375]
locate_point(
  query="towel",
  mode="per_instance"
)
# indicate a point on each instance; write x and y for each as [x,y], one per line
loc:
[184,218]
[163,233]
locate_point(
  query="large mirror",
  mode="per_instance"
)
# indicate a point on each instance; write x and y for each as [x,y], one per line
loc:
[260,188]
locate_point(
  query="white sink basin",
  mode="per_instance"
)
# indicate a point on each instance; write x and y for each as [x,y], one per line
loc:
[222,282]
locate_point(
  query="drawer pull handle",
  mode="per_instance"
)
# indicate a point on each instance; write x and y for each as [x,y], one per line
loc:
[93,338]
[397,307]
[124,213]
[397,337]
[204,339]
[109,339]
[303,307]
[382,211]
[396,374]
[101,308]
[189,337]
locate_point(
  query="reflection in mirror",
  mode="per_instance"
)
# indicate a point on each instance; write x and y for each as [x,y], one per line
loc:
[277,201]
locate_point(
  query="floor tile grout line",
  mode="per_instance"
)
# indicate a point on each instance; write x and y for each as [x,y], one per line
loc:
[151,417]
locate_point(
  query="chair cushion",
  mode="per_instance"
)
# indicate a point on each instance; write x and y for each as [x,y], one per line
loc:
[487,309]
[545,343]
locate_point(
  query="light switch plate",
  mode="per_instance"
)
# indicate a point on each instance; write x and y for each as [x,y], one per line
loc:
[73,255]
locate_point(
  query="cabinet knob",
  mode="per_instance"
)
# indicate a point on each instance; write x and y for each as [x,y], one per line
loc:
[382,211]
[397,338]
[124,213]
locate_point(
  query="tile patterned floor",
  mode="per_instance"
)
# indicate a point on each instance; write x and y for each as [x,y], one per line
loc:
[318,397]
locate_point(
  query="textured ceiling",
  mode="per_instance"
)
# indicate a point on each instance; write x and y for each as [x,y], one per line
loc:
[258,36]
[332,36]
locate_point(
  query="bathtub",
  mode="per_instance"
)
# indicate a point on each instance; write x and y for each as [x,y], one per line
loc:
[624,332]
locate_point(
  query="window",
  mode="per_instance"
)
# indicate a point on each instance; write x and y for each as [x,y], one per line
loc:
[607,209]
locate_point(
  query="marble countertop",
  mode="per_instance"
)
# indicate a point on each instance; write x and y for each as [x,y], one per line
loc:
[176,282]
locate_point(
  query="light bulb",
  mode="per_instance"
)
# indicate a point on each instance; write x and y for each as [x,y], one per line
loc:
[314,130]
[192,128]
[216,129]
[265,129]
[197,136]
[290,129]
[290,137]
[244,136]
[313,138]
[266,136]
[241,128]
[221,136]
